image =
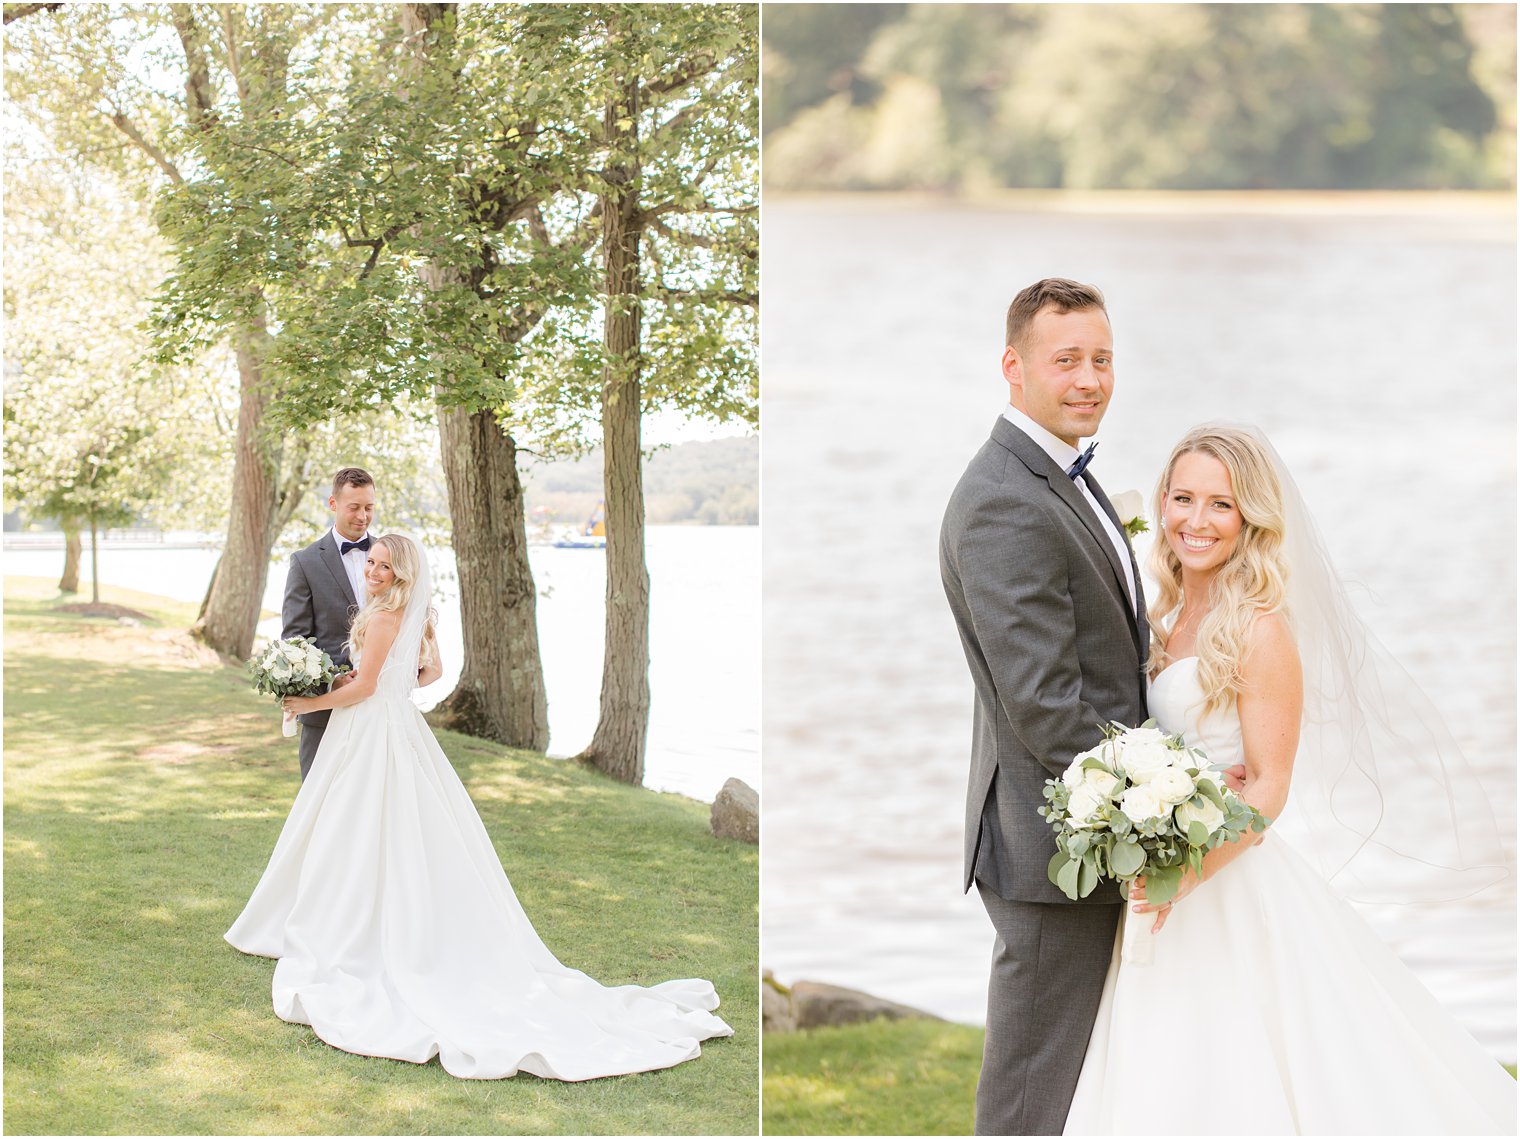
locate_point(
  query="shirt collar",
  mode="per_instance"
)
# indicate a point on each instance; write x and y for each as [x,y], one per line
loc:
[339,539]
[1062,452]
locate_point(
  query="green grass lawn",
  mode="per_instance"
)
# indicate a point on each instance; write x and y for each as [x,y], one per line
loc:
[884,1077]
[145,785]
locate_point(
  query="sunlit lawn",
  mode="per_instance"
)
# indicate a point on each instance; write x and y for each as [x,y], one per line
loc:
[884,1077]
[144,788]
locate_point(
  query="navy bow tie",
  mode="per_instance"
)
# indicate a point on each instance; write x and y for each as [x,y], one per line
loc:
[361,544]
[1081,463]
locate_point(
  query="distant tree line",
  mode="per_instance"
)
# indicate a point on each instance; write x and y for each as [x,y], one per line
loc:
[1146,96]
[711,484]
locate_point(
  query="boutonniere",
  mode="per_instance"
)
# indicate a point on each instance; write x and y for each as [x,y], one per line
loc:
[1129,506]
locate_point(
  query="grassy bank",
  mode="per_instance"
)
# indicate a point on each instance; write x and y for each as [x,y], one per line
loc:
[898,1077]
[885,1077]
[145,785]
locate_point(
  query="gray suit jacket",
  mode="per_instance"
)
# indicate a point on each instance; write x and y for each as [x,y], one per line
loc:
[1054,648]
[319,603]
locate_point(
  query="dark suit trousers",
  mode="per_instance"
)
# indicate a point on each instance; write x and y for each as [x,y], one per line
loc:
[313,724]
[1048,966]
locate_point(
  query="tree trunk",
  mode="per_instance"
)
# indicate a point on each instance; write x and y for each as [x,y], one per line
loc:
[73,550]
[200,614]
[94,562]
[622,727]
[231,612]
[500,695]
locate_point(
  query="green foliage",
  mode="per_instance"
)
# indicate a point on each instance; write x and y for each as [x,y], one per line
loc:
[92,431]
[80,223]
[421,216]
[144,792]
[694,142]
[1180,96]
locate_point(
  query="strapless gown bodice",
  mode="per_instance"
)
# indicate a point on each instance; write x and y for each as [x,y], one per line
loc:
[1176,703]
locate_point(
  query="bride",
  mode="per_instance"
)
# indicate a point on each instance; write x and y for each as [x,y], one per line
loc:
[1270,1007]
[396,929]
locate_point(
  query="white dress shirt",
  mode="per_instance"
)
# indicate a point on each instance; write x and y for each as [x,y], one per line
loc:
[1064,455]
[353,562]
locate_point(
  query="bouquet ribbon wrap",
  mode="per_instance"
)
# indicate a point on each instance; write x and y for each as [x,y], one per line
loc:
[288,724]
[1136,946]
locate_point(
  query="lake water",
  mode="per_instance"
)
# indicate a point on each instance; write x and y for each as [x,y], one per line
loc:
[704,640]
[1374,342]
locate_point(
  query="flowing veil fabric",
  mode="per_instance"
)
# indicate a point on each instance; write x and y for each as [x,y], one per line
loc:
[399,935]
[1383,803]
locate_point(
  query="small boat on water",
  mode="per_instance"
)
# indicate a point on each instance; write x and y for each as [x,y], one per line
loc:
[592,536]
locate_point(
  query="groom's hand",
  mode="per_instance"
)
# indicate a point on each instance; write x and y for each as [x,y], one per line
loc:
[346,677]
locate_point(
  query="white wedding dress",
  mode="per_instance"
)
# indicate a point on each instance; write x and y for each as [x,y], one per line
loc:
[399,935]
[1271,1008]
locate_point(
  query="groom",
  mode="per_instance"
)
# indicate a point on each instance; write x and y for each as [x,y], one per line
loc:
[325,586]
[1047,598]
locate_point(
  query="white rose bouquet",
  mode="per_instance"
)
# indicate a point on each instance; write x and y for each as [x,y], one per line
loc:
[1140,804]
[292,667]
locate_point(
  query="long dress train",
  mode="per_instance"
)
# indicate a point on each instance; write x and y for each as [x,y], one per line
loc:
[399,935]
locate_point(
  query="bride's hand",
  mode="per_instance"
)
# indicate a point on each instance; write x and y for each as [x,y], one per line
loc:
[1137,894]
[1235,778]
[297,705]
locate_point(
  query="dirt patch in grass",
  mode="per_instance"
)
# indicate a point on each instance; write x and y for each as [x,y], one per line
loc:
[104,609]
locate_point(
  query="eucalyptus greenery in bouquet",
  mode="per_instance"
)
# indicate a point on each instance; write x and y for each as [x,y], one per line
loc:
[295,666]
[1140,804]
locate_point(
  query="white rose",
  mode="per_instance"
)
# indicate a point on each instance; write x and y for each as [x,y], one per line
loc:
[1074,776]
[1128,505]
[1173,785]
[1200,810]
[1143,759]
[1103,782]
[295,654]
[1141,803]
[1083,805]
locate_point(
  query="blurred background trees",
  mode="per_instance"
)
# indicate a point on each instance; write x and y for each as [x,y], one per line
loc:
[1144,96]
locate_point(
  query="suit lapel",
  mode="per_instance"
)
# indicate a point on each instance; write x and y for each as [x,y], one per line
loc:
[1142,625]
[328,550]
[1033,456]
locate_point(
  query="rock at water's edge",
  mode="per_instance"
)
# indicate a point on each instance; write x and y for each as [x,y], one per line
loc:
[816,1005]
[776,1013]
[736,812]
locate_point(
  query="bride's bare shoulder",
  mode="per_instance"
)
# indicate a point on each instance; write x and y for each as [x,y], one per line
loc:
[1270,643]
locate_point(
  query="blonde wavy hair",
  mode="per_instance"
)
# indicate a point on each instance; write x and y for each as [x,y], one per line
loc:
[406,563]
[1253,581]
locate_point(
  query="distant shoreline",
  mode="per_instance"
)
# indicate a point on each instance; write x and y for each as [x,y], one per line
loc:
[1494,205]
